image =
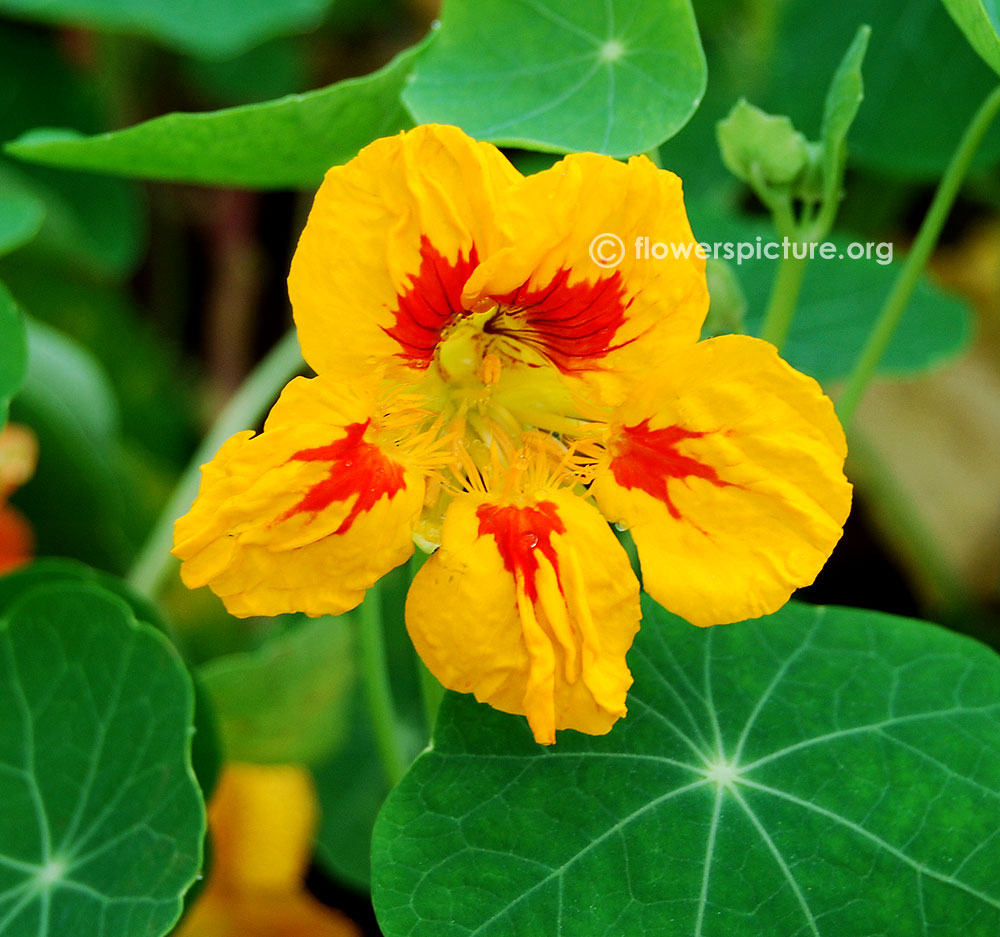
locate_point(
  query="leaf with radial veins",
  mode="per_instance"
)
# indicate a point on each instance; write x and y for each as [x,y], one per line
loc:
[815,773]
[101,819]
[611,76]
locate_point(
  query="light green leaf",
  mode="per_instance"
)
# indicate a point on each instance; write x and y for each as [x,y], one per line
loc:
[815,773]
[286,701]
[611,76]
[980,21]
[101,820]
[21,215]
[210,28]
[13,350]
[839,110]
[279,144]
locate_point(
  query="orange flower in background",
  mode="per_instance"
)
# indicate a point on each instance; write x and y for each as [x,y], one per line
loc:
[488,391]
[18,458]
[262,819]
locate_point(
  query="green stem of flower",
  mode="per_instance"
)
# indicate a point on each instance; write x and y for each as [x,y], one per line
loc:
[784,298]
[243,410]
[930,230]
[375,672]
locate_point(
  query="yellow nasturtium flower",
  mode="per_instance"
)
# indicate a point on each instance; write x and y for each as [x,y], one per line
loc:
[491,389]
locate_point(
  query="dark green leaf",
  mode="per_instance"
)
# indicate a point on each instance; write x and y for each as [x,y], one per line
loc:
[78,498]
[616,77]
[980,21]
[817,773]
[205,746]
[97,224]
[286,701]
[279,144]
[839,302]
[352,787]
[101,820]
[922,82]
[13,350]
[211,28]
[46,571]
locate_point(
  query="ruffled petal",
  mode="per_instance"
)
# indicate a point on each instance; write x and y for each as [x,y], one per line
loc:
[391,239]
[558,291]
[532,607]
[728,469]
[305,516]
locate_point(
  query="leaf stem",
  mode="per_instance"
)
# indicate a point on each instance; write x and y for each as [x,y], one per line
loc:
[930,230]
[375,672]
[243,410]
[784,297]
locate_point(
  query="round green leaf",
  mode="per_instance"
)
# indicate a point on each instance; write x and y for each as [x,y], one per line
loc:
[815,773]
[611,76]
[278,144]
[101,819]
[980,21]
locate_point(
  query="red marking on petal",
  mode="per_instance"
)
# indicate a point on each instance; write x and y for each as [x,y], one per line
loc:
[648,459]
[357,468]
[432,301]
[521,533]
[573,326]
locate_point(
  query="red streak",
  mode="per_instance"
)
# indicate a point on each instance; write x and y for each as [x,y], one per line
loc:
[648,459]
[356,468]
[520,534]
[432,301]
[573,326]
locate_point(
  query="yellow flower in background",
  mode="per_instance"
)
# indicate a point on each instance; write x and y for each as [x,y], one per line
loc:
[487,390]
[262,819]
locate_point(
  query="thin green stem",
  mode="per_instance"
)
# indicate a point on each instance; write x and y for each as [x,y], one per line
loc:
[930,230]
[375,672]
[784,297]
[654,157]
[243,410]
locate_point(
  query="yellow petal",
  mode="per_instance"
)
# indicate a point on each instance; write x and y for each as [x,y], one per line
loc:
[262,819]
[728,469]
[610,323]
[391,239]
[532,607]
[304,516]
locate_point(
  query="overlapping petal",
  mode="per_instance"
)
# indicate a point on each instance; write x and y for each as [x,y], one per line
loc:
[574,285]
[728,469]
[390,241]
[304,516]
[531,606]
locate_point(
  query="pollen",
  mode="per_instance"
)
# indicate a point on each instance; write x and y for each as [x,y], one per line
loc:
[491,369]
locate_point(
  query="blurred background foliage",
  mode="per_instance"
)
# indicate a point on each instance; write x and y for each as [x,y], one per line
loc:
[148,302]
